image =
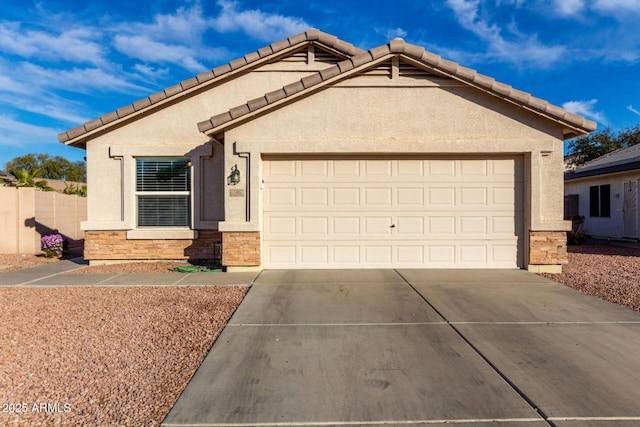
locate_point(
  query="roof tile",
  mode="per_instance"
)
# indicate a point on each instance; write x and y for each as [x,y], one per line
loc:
[205,125]
[397,45]
[93,124]
[298,38]
[311,80]
[159,96]
[312,34]
[413,50]
[380,51]
[257,103]
[344,46]
[189,83]
[345,65]
[237,63]
[501,88]
[113,116]
[278,46]
[327,39]
[265,51]
[294,87]
[520,96]
[206,76]
[276,95]
[222,69]
[538,104]
[63,137]
[120,112]
[251,57]
[76,131]
[483,80]
[448,66]
[329,72]
[173,90]
[361,59]
[431,58]
[240,110]
[219,119]
[141,103]
[467,73]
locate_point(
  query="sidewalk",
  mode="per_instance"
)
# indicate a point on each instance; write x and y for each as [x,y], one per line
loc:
[53,275]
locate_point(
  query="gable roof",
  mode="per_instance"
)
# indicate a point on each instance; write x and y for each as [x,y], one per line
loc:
[574,124]
[621,160]
[77,136]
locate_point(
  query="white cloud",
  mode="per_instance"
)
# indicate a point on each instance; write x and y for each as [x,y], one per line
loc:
[146,49]
[569,7]
[186,25]
[633,110]
[255,23]
[395,32]
[76,45]
[523,49]
[585,108]
[150,72]
[19,134]
[82,80]
[617,6]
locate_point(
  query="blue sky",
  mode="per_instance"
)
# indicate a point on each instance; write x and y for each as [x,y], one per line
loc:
[65,62]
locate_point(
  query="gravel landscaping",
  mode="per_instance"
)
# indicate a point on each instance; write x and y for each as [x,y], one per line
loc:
[100,356]
[104,356]
[608,272]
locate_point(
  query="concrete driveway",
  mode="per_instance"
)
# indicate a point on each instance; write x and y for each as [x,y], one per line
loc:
[469,348]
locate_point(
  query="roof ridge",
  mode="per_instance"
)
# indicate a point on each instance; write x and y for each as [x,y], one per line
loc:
[436,62]
[311,35]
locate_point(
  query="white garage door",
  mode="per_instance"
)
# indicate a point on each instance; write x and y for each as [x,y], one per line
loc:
[389,213]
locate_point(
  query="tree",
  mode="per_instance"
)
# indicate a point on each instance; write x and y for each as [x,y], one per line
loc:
[45,166]
[599,143]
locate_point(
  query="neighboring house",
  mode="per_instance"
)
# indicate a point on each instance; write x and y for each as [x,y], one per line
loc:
[311,153]
[606,190]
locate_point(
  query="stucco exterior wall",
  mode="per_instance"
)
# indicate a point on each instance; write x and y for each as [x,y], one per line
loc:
[609,227]
[171,131]
[425,118]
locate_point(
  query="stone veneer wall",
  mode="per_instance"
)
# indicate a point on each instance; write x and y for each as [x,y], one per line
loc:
[113,245]
[241,249]
[548,248]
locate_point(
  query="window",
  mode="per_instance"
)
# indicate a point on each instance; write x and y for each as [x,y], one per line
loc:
[600,200]
[163,190]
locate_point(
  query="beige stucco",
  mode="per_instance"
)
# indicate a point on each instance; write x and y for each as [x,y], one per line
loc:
[171,130]
[426,118]
[373,112]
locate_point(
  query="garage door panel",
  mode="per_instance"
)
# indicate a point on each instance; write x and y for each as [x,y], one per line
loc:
[441,196]
[314,226]
[447,213]
[345,197]
[379,197]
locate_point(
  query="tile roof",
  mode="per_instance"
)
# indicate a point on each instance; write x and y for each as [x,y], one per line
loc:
[577,124]
[74,136]
[623,159]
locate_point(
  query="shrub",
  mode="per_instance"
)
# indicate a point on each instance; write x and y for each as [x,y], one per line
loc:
[52,245]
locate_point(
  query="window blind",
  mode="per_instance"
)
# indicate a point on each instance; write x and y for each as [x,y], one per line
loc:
[163,192]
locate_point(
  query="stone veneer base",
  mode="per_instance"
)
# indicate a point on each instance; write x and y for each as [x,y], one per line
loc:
[112,245]
[547,248]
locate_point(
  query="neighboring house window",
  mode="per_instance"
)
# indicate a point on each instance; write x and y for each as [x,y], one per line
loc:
[600,200]
[163,192]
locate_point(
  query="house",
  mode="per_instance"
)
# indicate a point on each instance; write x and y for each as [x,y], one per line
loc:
[311,153]
[605,192]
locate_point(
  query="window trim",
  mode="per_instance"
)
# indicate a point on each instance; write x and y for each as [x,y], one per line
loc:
[149,230]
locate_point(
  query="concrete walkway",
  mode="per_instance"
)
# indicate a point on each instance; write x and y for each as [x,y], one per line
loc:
[418,347]
[54,275]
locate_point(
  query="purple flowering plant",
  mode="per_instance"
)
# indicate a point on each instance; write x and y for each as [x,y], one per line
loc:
[52,245]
